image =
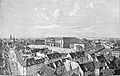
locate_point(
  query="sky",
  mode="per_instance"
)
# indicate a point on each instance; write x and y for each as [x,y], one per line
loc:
[43,18]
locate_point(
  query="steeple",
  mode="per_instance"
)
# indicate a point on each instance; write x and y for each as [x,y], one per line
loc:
[13,38]
[10,37]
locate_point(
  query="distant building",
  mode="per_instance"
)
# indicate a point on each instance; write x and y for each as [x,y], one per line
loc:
[36,42]
[76,56]
[39,42]
[77,46]
[63,42]
[11,37]
[0,40]
[50,41]
[116,53]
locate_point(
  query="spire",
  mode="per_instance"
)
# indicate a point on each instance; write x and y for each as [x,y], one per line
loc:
[10,37]
[13,38]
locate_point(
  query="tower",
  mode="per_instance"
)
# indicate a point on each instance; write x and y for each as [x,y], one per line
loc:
[10,37]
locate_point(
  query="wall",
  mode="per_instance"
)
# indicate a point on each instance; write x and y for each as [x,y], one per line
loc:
[69,40]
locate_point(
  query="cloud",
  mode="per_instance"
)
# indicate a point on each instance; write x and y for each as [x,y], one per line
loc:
[76,8]
[47,27]
[66,17]
[56,13]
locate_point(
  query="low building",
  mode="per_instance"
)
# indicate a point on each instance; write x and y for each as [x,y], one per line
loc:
[39,42]
[28,66]
[116,53]
[77,56]
[35,42]
[50,41]
[88,68]
[77,47]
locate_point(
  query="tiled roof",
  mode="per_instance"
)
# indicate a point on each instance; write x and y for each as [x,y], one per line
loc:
[76,55]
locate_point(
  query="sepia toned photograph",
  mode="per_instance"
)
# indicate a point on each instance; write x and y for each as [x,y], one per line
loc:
[59,38]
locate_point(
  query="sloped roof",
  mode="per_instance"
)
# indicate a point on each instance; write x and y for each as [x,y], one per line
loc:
[35,50]
[116,72]
[20,58]
[51,65]
[101,58]
[98,49]
[115,64]
[59,63]
[32,61]
[105,50]
[88,67]
[54,55]
[28,62]
[75,55]
[45,70]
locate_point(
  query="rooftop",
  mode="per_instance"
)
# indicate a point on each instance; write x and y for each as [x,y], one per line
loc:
[28,61]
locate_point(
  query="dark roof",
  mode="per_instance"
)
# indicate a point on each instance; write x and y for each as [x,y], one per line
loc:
[43,50]
[46,71]
[116,72]
[32,61]
[76,55]
[56,64]
[39,40]
[93,55]
[73,55]
[81,54]
[88,67]
[115,64]
[59,63]
[35,50]
[101,58]
[54,55]
[42,60]
[51,65]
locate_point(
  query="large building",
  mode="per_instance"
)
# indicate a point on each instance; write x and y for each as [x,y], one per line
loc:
[23,65]
[63,42]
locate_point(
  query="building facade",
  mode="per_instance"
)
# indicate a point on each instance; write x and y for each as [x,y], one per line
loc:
[62,42]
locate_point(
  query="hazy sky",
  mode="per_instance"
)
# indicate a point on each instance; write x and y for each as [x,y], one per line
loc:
[38,18]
